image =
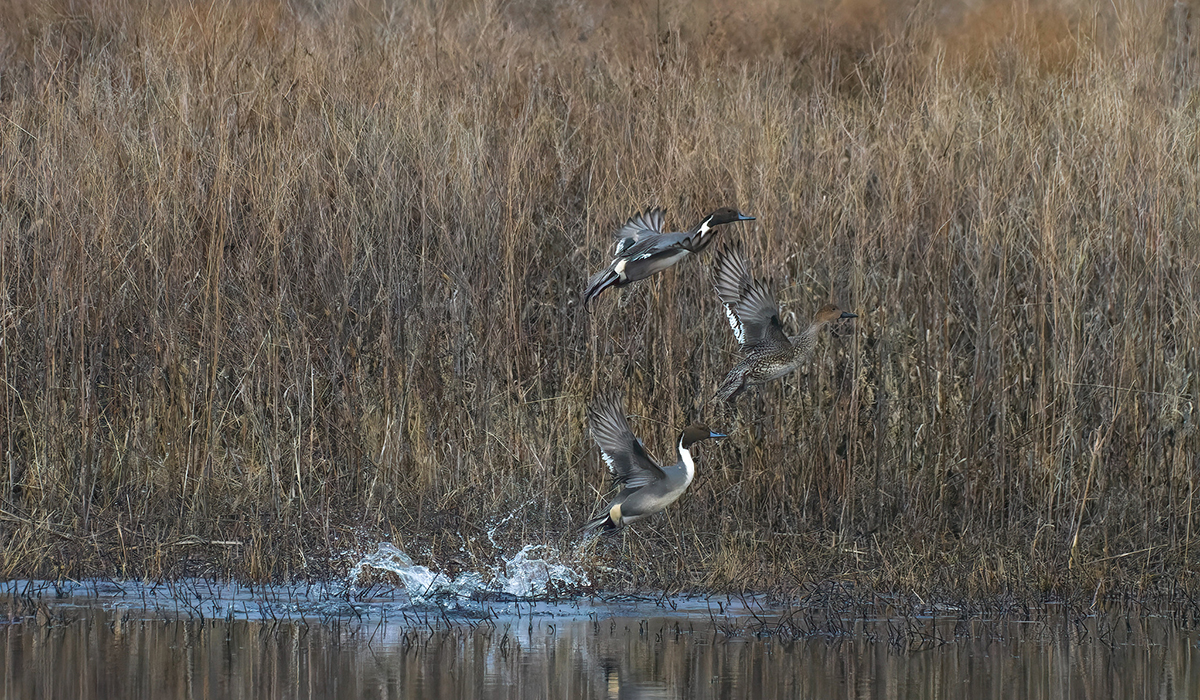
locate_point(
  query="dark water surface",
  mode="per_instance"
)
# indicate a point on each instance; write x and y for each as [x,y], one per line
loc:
[205,641]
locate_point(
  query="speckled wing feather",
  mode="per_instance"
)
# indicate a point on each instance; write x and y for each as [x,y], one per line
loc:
[749,305]
[626,458]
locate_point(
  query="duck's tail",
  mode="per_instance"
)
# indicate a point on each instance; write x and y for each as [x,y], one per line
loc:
[603,523]
[599,282]
[733,385]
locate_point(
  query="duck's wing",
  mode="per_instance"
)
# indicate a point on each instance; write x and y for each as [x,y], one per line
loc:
[639,226]
[651,221]
[650,246]
[749,305]
[626,458]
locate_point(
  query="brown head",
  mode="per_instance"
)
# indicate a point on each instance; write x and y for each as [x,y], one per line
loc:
[695,433]
[725,215]
[831,312]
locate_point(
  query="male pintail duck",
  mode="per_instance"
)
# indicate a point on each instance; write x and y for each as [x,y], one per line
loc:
[754,317]
[644,249]
[648,487]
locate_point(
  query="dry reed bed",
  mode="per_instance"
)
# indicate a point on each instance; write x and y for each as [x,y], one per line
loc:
[294,280]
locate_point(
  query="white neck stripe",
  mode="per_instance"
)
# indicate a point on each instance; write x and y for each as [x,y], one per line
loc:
[688,465]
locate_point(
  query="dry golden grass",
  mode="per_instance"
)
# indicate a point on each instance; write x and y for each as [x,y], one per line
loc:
[277,281]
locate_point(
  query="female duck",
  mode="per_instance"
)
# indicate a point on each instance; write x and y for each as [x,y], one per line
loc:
[644,249]
[754,317]
[648,487]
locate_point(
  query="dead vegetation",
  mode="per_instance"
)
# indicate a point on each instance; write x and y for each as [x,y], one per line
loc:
[280,280]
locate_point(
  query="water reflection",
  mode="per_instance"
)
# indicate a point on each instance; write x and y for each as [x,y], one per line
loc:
[54,651]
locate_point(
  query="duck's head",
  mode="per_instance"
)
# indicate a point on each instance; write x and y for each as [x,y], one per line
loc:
[725,215]
[831,312]
[695,433]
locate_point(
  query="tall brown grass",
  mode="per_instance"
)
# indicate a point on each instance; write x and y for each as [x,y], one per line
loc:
[280,280]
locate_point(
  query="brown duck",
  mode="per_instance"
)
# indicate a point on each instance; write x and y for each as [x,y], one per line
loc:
[754,317]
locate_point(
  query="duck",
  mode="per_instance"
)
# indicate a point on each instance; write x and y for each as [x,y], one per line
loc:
[643,248]
[754,317]
[648,487]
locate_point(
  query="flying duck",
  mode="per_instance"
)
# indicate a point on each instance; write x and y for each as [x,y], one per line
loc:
[643,248]
[754,317]
[648,487]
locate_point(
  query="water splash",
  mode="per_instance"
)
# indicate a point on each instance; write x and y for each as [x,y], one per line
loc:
[534,572]
[530,576]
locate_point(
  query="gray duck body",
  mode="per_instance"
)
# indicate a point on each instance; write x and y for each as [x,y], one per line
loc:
[643,248]
[648,487]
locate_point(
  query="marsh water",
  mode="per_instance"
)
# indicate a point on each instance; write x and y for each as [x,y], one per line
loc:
[513,636]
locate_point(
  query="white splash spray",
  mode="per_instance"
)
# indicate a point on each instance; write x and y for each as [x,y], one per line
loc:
[535,571]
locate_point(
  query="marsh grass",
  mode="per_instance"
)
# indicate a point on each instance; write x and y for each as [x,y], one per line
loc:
[279,281]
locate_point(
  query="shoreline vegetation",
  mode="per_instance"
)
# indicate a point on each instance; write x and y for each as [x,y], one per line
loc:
[281,281]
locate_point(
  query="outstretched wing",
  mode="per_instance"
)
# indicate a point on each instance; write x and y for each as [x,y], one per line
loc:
[626,458]
[638,227]
[749,305]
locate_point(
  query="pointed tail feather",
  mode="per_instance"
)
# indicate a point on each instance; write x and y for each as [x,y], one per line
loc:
[602,522]
[733,385]
[598,283]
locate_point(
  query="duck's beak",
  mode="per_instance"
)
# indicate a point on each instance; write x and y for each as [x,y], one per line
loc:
[711,434]
[847,314]
[743,217]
